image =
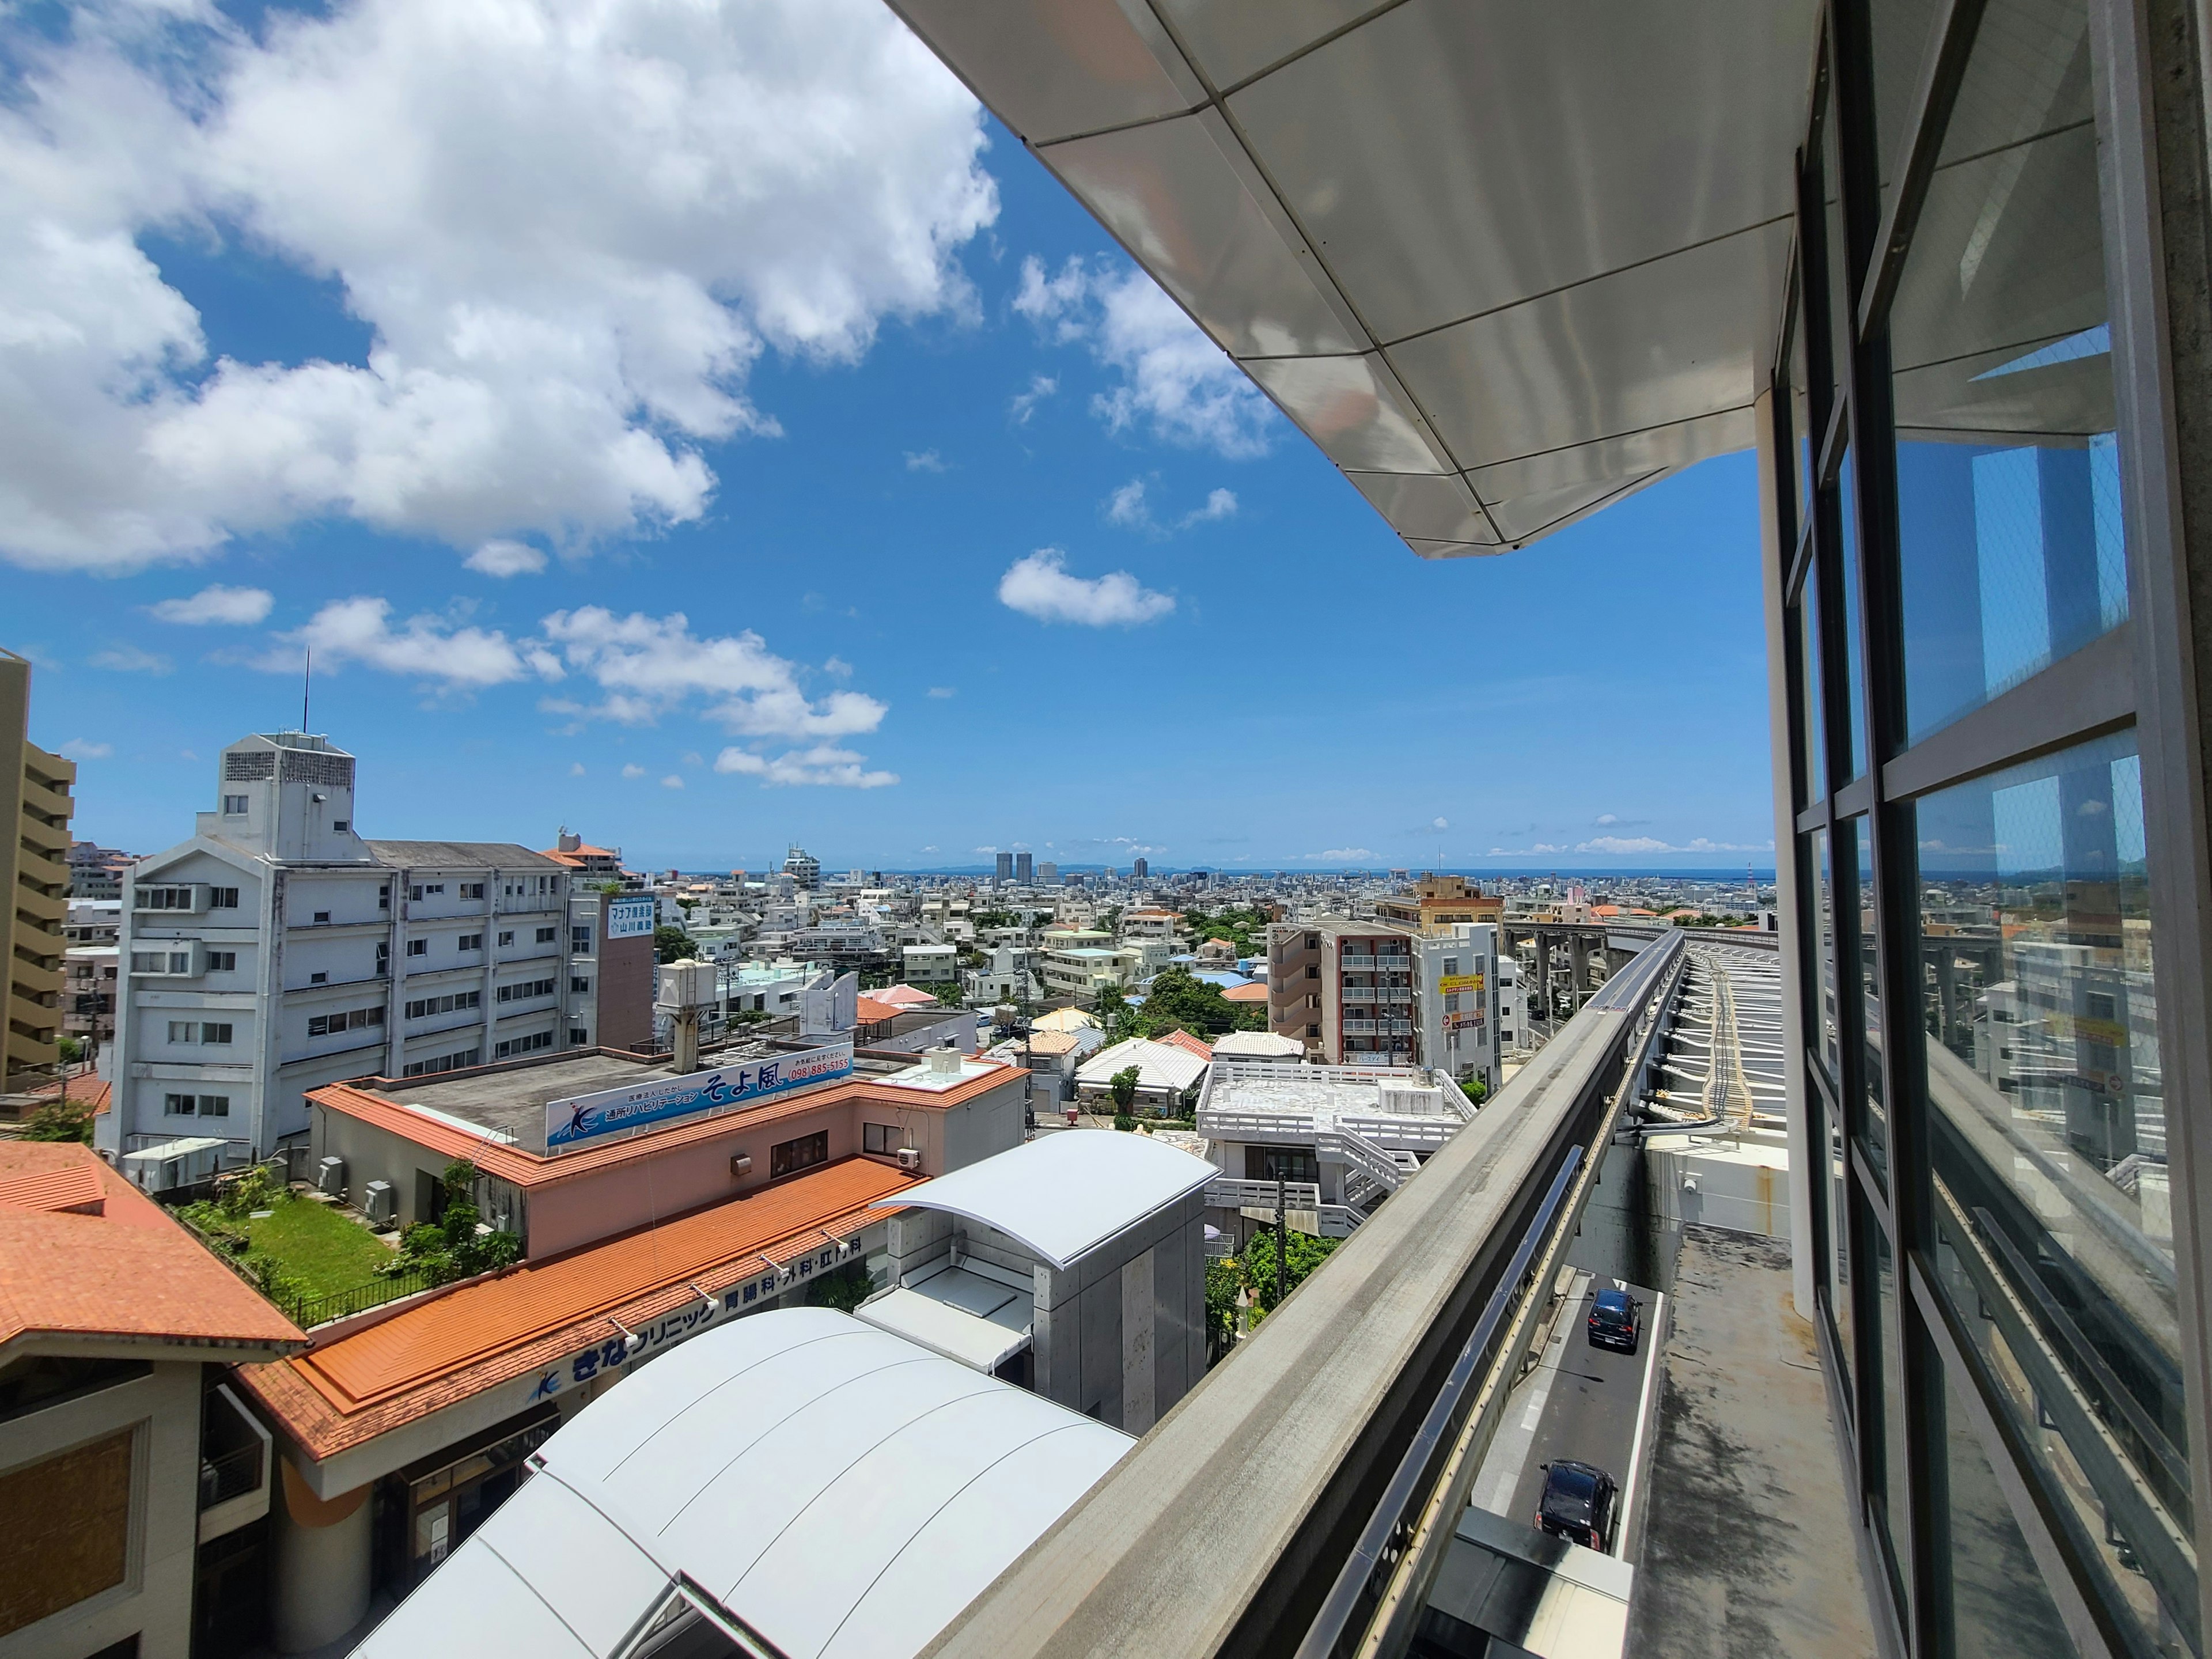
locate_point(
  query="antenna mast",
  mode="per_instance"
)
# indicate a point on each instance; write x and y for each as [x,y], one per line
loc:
[306,681]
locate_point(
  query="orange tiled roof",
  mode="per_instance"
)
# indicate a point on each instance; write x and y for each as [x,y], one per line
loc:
[531,1170]
[1255,991]
[903,996]
[872,1010]
[95,1090]
[1186,1041]
[479,1335]
[121,1269]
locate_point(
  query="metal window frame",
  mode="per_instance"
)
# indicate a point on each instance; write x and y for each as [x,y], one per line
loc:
[2148,74]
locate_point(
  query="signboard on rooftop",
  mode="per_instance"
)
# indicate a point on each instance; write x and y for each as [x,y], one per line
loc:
[631,917]
[586,1118]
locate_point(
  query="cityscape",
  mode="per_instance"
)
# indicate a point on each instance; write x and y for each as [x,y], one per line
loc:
[1106,827]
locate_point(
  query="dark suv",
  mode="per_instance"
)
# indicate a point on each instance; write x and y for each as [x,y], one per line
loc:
[1613,1322]
[1577,1504]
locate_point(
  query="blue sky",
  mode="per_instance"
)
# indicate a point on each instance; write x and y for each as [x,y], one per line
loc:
[983,521]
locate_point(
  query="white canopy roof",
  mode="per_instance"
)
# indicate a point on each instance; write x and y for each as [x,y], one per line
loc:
[1159,1064]
[1061,1195]
[1501,277]
[839,1490]
[966,1316]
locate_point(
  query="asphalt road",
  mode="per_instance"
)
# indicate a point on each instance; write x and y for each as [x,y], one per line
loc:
[1589,1413]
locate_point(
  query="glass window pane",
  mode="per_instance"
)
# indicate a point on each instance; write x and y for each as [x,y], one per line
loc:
[2049,1141]
[1801,412]
[1824,923]
[2013,552]
[1873,1124]
[1848,512]
[1889,1488]
[1813,748]
[1838,1195]
[1841,330]
[1999,1607]
[1903,33]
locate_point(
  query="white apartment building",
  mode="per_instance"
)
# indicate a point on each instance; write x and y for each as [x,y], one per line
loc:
[278,950]
[1360,992]
[1339,1138]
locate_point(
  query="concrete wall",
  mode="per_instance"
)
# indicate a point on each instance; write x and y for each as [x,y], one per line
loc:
[1744,1189]
[319,1578]
[624,992]
[154,1600]
[1120,1336]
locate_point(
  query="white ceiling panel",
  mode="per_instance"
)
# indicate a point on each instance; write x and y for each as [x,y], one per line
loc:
[1449,158]
[1049,69]
[1354,409]
[1532,515]
[1232,42]
[1613,461]
[1173,193]
[1541,247]
[1439,509]
[1665,341]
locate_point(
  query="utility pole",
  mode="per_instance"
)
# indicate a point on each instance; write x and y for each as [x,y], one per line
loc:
[1282,1238]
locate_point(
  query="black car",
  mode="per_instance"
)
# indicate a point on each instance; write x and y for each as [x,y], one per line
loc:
[1613,1322]
[1577,1504]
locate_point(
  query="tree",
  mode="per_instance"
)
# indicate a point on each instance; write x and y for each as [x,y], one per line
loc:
[72,1050]
[1476,1090]
[1123,1084]
[1178,1001]
[671,944]
[1222,1285]
[1258,1261]
[451,1247]
[844,1290]
[60,1120]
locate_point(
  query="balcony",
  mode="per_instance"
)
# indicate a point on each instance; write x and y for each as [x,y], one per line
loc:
[234,1465]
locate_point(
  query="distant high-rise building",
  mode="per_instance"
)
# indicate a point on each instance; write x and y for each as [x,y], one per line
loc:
[1006,871]
[1047,874]
[1021,872]
[803,867]
[1140,869]
[35,804]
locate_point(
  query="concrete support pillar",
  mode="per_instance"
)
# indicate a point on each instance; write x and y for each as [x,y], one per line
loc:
[319,1588]
[1579,955]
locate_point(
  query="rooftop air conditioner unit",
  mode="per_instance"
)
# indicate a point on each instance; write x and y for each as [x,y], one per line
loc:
[909,1157]
[329,1177]
[380,1203]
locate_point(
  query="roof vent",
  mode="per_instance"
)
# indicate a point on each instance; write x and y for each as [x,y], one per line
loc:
[944,1063]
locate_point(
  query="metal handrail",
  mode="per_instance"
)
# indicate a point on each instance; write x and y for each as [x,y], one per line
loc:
[1388,1531]
[232,1475]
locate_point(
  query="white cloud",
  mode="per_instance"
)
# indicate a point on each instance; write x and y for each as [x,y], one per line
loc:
[1127,507]
[672,781]
[240,607]
[1039,586]
[924,460]
[1605,818]
[571,231]
[633,770]
[505,558]
[1023,403]
[1172,378]
[576,769]
[838,666]
[824,765]
[84,748]
[647,664]
[942,691]
[129,660]
[1220,504]
[1622,844]
[1440,824]
[1340,855]
[360,630]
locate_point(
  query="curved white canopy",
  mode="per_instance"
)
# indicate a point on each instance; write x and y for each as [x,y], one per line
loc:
[840,1491]
[1062,1194]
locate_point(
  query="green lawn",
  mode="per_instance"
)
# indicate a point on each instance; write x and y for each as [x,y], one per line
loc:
[319,1246]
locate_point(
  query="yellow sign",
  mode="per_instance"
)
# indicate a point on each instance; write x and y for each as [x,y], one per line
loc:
[1452,982]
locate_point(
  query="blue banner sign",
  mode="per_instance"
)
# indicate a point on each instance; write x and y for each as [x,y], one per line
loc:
[573,1122]
[632,918]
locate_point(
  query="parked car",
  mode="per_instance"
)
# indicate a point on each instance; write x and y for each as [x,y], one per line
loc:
[1578,1503]
[1613,1321]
